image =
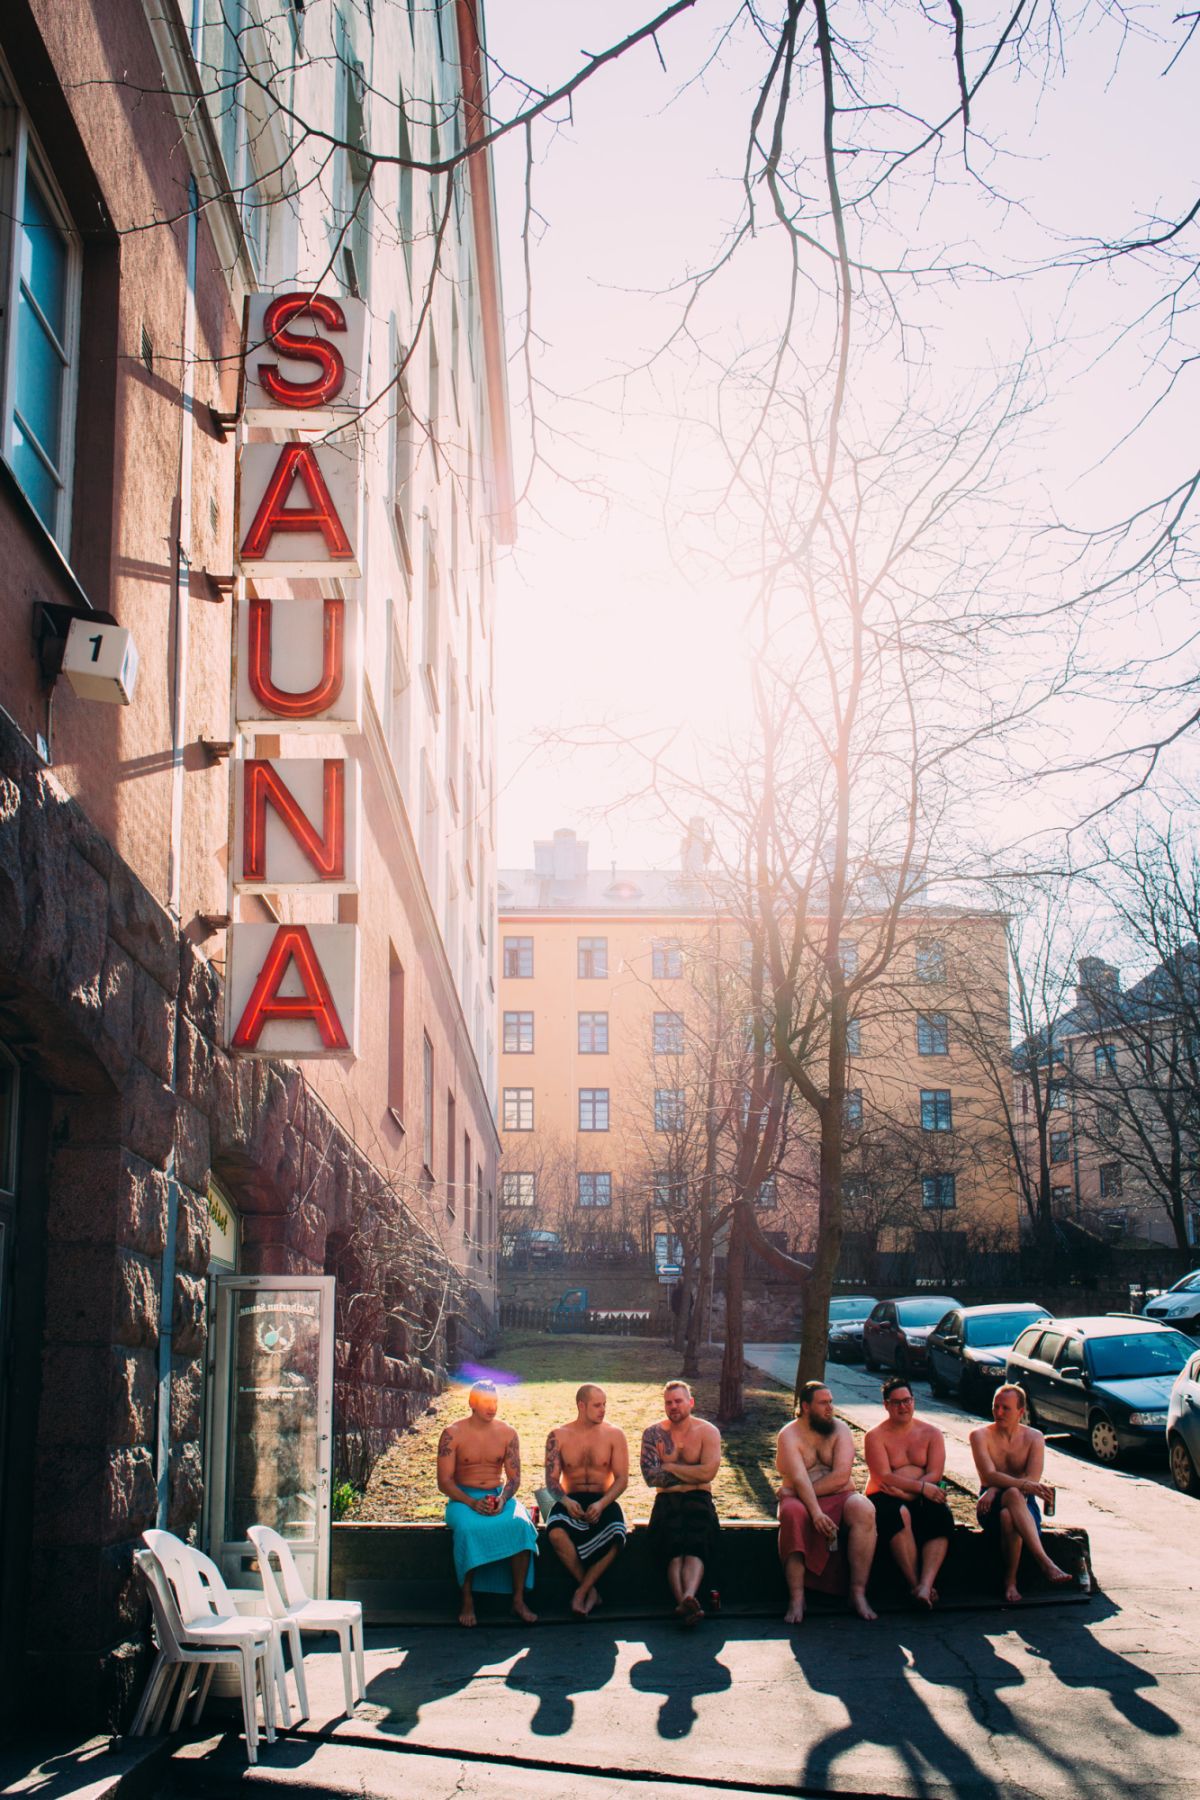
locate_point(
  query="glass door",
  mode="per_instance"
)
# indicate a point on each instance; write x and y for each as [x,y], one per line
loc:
[272,1441]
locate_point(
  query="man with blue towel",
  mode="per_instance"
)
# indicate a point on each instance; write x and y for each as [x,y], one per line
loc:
[479,1471]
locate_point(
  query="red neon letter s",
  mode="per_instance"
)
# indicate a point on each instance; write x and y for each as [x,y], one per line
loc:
[291,945]
[265,786]
[323,387]
[297,462]
[308,703]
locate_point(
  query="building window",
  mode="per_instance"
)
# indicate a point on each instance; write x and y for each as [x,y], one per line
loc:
[668,1034]
[518,1109]
[593,1109]
[1061,1199]
[41,327]
[1110,1181]
[854,1037]
[852,1109]
[593,959]
[518,957]
[594,1189]
[1108,1121]
[848,958]
[1104,1059]
[669,1190]
[466,1185]
[666,959]
[1056,1095]
[766,1197]
[518,1033]
[933,1034]
[518,1189]
[1060,1146]
[427,1110]
[936,1113]
[938,1193]
[931,964]
[395,1065]
[668,1109]
[593,1034]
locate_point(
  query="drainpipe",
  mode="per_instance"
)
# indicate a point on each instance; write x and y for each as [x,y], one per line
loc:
[183,564]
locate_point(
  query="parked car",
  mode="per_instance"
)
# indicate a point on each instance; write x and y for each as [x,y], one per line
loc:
[895,1332]
[1179,1306]
[1183,1428]
[1106,1380]
[968,1349]
[846,1315]
[532,1246]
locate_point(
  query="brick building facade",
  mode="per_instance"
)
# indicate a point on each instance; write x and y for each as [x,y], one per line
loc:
[150,184]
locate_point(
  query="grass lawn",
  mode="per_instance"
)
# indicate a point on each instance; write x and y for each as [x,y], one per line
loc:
[538,1377]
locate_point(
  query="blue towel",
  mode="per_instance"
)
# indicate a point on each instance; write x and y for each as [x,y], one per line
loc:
[483,1542]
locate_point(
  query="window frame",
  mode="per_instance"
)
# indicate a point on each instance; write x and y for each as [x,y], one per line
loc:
[518,1022]
[933,1034]
[666,959]
[595,1026]
[520,944]
[672,1101]
[518,1175]
[586,948]
[933,1111]
[1111,1178]
[667,1034]
[26,151]
[594,1105]
[929,963]
[594,1177]
[521,1099]
[928,1190]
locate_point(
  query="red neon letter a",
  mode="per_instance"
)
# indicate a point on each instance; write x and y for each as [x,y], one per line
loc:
[325,850]
[308,703]
[297,462]
[290,946]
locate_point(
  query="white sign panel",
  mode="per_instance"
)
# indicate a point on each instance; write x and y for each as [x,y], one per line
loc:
[299,665]
[296,825]
[299,509]
[305,360]
[292,990]
[101,661]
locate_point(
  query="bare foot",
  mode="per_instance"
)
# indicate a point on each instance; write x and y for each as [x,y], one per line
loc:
[691,1610]
[1012,1594]
[579,1603]
[522,1611]
[467,1616]
[593,1600]
[924,1595]
[859,1604]
[1056,1576]
[795,1613]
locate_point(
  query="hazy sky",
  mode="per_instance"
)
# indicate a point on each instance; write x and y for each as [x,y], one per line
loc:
[612,610]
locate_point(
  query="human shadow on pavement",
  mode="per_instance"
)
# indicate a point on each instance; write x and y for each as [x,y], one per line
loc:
[874,1686]
[433,1666]
[682,1666]
[558,1664]
[1082,1660]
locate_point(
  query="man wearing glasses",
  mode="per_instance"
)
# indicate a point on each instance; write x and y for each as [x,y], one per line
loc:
[906,1459]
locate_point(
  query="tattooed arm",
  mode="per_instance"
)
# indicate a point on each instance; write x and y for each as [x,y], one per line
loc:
[446,1464]
[512,1471]
[554,1476]
[657,1448]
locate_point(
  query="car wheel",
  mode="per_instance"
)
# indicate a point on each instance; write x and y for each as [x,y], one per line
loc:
[870,1364]
[901,1363]
[1183,1470]
[1102,1440]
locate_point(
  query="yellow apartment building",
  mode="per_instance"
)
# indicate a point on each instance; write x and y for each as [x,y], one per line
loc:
[606,1015]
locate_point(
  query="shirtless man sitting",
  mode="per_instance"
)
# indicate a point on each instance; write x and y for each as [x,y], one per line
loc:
[1010,1456]
[490,1527]
[815,1456]
[587,1471]
[680,1457]
[906,1459]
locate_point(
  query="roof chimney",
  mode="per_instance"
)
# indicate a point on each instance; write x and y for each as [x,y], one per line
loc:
[695,847]
[1096,981]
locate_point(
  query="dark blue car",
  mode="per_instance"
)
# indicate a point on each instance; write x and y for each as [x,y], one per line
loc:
[1106,1380]
[1183,1428]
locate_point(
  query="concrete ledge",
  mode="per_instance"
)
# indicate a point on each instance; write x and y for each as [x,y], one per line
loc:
[404,1574]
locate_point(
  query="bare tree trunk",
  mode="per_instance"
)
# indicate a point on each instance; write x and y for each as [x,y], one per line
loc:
[703,1294]
[732,1402]
[814,1333]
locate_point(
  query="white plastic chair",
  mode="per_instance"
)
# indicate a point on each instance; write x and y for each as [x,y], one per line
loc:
[293,1605]
[207,1606]
[179,1654]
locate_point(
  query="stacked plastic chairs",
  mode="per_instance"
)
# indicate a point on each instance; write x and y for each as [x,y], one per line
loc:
[294,1612]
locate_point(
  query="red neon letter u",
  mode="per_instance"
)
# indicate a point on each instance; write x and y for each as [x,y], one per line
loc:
[308,703]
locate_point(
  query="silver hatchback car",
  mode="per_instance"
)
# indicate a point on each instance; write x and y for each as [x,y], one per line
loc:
[1183,1427]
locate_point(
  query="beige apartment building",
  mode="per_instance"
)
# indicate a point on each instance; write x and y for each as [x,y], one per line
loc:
[606,998]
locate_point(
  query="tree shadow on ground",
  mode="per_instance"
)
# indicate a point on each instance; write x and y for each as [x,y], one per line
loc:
[557,1665]
[682,1666]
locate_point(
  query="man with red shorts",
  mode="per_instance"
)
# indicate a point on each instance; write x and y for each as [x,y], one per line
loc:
[826,1530]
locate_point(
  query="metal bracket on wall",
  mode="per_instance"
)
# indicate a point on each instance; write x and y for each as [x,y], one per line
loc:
[51,623]
[216,749]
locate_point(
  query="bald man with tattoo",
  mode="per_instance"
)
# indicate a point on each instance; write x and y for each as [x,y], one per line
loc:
[587,1471]
[479,1471]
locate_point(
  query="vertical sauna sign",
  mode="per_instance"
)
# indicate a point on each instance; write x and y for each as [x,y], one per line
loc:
[291,984]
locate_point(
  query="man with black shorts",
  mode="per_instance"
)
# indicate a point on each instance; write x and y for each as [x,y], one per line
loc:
[587,1471]
[906,1459]
[680,1457]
